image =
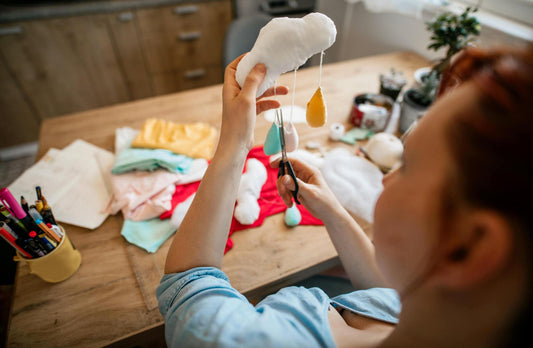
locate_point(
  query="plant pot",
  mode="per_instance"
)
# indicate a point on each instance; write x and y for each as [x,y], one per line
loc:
[411,111]
[420,74]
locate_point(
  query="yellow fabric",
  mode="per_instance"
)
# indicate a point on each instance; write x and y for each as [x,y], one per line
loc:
[195,140]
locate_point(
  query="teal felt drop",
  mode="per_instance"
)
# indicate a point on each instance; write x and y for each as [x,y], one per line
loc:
[293,216]
[272,142]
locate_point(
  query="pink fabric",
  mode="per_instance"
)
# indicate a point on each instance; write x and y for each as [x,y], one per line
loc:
[269,200]
[142,195]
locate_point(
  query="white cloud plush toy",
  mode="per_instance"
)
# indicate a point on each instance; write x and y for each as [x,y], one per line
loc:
[284,44]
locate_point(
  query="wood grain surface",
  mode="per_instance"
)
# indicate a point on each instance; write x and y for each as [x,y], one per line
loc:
[111,297]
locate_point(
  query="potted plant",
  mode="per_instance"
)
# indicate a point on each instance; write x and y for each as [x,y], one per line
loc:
[453,32]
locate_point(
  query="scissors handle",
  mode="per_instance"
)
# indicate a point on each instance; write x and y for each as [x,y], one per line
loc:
[285,167]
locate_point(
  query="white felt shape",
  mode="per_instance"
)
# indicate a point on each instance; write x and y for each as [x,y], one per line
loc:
[385,150]
[291,137]
[355,181]
[284,44]
[247,209]
[180,210]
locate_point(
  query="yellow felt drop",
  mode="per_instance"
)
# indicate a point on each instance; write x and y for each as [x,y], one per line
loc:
[316,114]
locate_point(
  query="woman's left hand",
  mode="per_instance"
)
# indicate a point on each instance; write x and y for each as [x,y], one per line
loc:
[240,105]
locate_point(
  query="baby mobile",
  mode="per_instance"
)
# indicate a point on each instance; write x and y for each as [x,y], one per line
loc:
[283,45]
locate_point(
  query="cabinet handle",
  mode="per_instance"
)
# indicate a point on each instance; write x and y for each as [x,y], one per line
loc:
[194,74]
[10,31]
[190,36]
[125,16]
[185,10]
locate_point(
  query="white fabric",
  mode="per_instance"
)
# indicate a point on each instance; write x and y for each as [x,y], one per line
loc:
[247,209]
[123,138]
[355,181]
[180,210]
[284,44]
[385,150]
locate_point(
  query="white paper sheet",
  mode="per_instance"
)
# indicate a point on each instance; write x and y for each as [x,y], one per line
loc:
[73,180]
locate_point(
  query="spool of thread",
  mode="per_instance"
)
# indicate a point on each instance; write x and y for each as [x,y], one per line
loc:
[336,131]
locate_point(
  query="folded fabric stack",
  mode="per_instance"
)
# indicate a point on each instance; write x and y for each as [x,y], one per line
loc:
[149,166]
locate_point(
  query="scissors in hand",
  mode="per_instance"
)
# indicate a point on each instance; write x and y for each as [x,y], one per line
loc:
[285,166]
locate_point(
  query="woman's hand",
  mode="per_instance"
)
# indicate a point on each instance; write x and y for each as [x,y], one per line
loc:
[313,192]
[241,106]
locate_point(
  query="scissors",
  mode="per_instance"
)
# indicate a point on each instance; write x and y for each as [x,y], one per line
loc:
[285,166]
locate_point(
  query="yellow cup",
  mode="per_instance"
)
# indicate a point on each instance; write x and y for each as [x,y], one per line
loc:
[57,265]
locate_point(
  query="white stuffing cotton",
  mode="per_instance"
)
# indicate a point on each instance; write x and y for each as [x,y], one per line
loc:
[355,182]
[247,209]
[180,211]
[284,44]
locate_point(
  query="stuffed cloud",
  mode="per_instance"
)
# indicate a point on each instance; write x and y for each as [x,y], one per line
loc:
[286,43]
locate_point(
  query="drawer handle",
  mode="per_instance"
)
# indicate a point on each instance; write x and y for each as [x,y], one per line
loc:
[190,36]
[185,10]
[125,16]
[10,31]
[194,74]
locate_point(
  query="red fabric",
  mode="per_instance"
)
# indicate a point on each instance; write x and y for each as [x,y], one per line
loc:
[269,200]
[181,193]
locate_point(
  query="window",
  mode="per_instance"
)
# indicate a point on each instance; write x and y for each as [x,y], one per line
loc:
[521,10]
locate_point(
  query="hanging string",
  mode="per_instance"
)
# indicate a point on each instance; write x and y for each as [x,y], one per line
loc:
[276,120]
[320,69]
[293,92]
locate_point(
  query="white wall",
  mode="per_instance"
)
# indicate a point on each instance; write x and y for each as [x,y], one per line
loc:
[247,7]
[362,33]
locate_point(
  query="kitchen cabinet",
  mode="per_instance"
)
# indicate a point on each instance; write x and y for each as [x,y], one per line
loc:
[18,122]
[183,44]
[55,66]
[65,65]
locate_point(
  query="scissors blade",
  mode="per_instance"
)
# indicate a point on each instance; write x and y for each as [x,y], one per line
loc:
[282,136]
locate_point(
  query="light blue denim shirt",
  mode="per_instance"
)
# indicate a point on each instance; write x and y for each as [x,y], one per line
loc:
[201,309]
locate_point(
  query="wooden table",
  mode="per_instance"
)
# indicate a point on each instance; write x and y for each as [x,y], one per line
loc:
[110,299]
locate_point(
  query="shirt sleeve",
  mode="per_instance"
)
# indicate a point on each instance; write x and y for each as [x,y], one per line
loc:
[201,309]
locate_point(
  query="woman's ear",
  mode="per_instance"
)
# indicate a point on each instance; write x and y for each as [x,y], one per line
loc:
[478,249]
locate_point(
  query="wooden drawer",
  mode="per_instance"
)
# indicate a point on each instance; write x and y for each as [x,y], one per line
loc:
[183,36]
[170,82]
[65,65]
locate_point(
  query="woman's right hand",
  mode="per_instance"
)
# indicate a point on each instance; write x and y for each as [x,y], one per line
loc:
[313,191]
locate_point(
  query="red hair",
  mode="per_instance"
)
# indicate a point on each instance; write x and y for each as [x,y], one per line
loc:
[493,147]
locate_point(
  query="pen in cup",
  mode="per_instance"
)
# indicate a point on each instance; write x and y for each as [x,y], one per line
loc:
[13,239]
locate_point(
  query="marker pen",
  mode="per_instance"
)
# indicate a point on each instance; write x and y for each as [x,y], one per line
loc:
[11,238]
[48,231]
[16,210]
[35,214]
[56,229]
[33,243]
[39,205]
[24,204]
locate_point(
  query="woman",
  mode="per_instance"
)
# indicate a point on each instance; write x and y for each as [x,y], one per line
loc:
[452,230]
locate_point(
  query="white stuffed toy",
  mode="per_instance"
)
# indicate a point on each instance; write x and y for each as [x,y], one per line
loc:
[284,44]
[247,209]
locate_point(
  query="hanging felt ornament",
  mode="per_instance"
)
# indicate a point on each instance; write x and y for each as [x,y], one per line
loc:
[316,110]
[291,137]
[293,217]
[272,143]
[285,44]
[316,114]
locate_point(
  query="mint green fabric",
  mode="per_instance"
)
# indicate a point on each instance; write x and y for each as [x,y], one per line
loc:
[150,159]
[355,134]
[148,234]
